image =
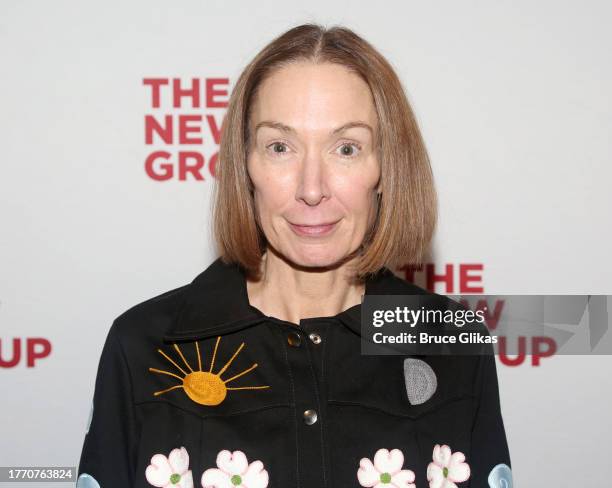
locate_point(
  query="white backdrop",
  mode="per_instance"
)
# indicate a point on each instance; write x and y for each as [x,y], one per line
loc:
[513,100]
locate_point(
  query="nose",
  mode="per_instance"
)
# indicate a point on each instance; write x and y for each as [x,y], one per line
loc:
[312,185]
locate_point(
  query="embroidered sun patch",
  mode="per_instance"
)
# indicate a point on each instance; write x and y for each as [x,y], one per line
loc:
[204,387]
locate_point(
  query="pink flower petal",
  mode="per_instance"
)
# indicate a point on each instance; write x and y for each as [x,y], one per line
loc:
[216,478]
[435,476]
[403,479]
[441,455]
[448,484]
[388,461]
[159,471]
[367,475]
[458,470]
[179,460]
[255,476]
[186,481]
[232,462]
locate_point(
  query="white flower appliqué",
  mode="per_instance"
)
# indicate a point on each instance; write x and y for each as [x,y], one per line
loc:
[235,471]
[447,468]
[170,472]
[386,471]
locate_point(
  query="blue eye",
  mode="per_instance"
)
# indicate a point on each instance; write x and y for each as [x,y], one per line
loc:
[275,145]
[349,145]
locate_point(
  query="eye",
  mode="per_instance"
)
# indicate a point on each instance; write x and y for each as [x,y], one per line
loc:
[349,149]
[277,148]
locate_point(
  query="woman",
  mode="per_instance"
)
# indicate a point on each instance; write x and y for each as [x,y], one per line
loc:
[252,375]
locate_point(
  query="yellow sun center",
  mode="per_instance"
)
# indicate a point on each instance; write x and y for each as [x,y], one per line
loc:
[205,388]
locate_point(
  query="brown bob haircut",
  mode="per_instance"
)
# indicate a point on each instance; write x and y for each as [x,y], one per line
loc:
[407,207]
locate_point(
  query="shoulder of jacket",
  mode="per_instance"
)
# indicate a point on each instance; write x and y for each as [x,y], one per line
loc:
[158,310]
[401,286]
[405,287]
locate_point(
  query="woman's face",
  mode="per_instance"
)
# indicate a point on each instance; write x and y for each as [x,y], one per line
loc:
[313,162]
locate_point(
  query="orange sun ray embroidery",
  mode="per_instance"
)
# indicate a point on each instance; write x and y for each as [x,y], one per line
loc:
[204,387]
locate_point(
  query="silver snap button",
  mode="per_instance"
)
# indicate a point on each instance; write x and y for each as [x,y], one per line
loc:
[310,417]
[316,338]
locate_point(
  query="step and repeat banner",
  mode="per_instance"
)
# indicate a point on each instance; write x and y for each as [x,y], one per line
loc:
[110,126]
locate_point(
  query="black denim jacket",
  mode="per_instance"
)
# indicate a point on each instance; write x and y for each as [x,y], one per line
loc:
[196,387]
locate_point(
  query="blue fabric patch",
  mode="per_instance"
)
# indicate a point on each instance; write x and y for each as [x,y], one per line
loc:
[87,481]
[89,418]
[500,477]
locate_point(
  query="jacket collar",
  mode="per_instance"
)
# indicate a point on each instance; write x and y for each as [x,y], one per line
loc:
[216,302]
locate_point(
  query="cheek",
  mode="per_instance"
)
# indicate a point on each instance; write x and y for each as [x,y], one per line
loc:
[357,195]
[361,205]
[272,198]
[273,189]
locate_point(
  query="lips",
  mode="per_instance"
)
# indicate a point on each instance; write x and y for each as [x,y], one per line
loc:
[313,230]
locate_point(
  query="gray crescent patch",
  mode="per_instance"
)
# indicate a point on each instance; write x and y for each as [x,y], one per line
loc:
[420,379]
[87,481]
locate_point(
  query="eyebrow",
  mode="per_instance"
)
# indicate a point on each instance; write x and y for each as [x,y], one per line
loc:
[285,128]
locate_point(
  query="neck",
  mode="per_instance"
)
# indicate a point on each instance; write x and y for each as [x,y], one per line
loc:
[293,293]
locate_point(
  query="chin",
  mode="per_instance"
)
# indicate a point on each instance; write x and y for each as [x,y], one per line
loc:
[316,258]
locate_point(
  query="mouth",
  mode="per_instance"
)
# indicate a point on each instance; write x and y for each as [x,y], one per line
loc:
[314,230]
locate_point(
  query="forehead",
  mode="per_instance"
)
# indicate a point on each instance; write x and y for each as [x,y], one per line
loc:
[316,97]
